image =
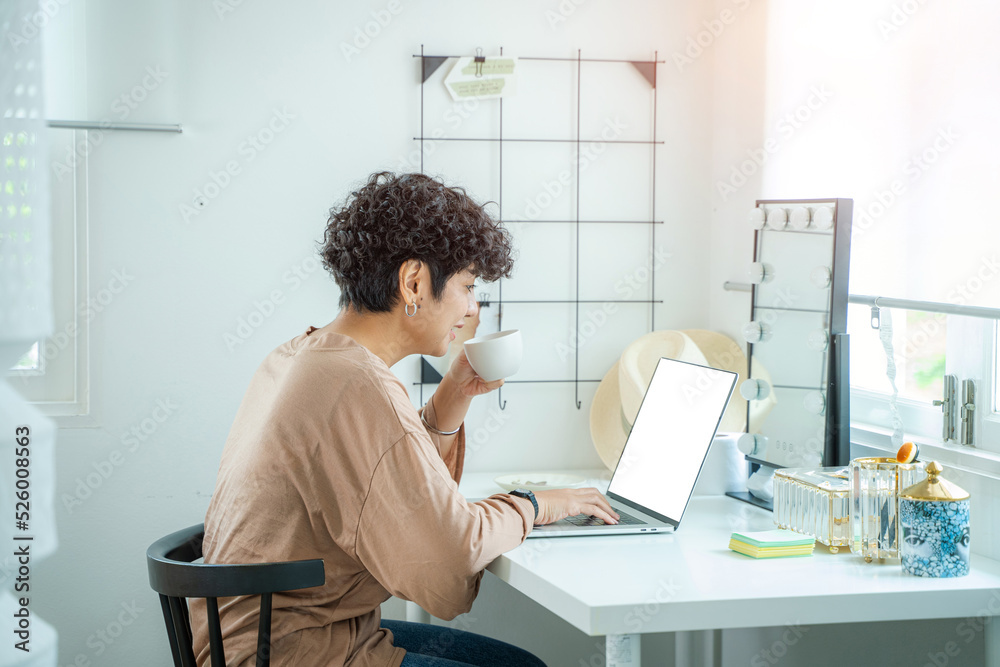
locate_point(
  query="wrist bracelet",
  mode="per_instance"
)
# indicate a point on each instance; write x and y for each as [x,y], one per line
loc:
[434,430]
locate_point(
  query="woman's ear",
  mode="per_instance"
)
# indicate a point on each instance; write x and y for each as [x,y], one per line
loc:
[410,280]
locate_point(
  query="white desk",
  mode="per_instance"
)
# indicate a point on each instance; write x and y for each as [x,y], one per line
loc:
[691,581]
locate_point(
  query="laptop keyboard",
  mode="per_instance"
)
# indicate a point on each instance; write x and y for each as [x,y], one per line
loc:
[625,519]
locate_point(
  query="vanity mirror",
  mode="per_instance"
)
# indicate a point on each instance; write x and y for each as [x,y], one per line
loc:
[796,335]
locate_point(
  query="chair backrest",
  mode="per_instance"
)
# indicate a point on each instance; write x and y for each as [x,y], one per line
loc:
[175,577]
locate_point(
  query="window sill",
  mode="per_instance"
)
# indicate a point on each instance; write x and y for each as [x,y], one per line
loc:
[967,459]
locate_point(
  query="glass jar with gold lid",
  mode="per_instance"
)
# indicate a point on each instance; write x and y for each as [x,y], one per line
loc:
[875,486]
[934,523]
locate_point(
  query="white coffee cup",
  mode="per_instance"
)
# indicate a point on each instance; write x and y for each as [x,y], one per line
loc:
[496,355]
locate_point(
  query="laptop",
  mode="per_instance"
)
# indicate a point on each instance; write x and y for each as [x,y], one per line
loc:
[663,455]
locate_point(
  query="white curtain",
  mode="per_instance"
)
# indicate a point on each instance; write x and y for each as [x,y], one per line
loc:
[25,317]
[896,105]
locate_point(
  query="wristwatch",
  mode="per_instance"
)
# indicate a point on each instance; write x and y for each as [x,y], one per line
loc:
[528,495]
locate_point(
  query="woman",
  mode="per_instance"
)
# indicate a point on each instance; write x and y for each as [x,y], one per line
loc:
[328,459]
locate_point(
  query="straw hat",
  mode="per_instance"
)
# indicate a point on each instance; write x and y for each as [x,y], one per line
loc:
[638,361]
[617,399]
[725,353]
[619,395]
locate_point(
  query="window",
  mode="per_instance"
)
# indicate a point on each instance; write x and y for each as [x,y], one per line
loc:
[965,347]
[54,373]
[920,344]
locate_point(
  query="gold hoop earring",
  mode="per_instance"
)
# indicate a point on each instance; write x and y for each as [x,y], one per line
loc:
[406,309]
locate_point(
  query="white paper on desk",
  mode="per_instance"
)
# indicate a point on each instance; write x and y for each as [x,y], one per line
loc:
[488,80]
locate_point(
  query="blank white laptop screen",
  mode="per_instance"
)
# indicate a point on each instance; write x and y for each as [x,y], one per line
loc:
[673,430]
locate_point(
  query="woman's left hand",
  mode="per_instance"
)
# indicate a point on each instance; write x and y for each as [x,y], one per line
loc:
[465,377]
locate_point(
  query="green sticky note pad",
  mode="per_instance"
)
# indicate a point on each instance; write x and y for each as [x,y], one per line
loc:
[773,538]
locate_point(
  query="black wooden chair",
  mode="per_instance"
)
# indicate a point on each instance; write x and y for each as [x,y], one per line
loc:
[174,575]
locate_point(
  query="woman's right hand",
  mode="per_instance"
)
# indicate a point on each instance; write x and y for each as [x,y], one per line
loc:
[561,503]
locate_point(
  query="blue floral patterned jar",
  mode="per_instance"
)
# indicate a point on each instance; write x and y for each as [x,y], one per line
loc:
[934,527]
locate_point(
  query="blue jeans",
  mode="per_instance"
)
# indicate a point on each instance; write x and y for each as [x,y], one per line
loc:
[436,646]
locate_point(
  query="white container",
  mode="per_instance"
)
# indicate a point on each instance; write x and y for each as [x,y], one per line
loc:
[814,502]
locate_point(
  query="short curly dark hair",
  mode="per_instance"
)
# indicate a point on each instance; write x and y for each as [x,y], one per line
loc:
[393,218]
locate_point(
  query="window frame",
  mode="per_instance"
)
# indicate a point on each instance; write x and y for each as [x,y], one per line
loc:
[41,386]
[987,423]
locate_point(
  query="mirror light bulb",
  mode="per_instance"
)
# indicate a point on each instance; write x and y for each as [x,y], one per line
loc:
[759,272]
[821,276]
[814,402]
[755,389]
[777,218]
[752,444]
[800,218]
[823,218]
[757,218]
[757,332]
[818,340]
[811,460]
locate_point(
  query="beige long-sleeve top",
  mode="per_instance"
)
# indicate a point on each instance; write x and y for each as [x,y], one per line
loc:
[327,458]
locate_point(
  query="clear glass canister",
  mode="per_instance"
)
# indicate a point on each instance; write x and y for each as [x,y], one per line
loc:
[814,502]
[934,520]
[875,486]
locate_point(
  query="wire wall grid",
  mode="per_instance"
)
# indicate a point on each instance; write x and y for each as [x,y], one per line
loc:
[429,64]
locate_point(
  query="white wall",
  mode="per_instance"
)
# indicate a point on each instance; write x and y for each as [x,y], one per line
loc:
[161,341]
[162,338]
[738,129]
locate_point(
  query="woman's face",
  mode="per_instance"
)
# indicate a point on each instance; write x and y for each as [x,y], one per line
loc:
[439,319]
